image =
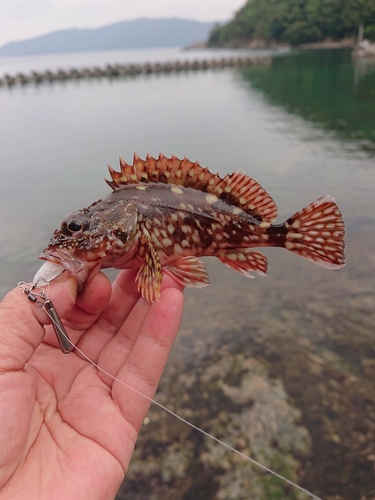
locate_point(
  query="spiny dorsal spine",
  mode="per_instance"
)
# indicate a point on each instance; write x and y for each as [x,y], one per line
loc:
[236,189]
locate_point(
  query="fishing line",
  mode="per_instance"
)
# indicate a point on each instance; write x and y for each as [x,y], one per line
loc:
[222,443]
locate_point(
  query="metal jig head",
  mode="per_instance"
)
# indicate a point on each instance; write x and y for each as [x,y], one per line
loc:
[37,295]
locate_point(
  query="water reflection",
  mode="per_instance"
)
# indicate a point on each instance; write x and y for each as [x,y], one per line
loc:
[325,87]
[362,68]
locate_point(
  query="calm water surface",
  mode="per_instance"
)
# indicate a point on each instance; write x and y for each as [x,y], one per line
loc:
[303,127]
[13,65]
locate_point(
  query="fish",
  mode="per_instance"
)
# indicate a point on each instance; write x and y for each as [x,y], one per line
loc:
[164,214]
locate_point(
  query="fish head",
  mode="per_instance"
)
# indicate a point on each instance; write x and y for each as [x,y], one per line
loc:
[94,238]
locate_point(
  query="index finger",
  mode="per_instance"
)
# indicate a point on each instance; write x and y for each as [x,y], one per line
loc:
[125,305]
[22,324]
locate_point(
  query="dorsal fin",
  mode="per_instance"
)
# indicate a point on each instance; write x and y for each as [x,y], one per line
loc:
[243,191]
[237,189]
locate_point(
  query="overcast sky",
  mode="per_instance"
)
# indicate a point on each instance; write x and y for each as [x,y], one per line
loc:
[22,19]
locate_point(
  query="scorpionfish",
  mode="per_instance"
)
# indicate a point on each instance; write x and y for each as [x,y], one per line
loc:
[165,213]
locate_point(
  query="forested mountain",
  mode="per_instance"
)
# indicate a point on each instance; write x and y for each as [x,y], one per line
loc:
[296,21]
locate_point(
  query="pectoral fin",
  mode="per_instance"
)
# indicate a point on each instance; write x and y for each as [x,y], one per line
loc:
[150,274]
[190,272]
[244,260]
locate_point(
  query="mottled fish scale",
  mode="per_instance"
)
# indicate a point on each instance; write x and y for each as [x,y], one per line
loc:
[191,217]
[164,213]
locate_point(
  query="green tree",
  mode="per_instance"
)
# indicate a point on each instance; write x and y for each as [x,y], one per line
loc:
[296,21]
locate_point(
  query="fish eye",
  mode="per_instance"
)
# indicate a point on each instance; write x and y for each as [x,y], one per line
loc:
[74,225]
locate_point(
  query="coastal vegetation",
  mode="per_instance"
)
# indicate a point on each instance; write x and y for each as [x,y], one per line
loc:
[296,22]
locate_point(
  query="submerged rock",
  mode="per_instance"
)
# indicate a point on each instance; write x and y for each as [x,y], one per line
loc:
[236,401]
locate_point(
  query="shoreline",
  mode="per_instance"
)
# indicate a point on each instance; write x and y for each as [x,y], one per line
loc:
[345,43]
[263,44]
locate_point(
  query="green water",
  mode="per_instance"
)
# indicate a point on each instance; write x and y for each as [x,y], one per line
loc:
[327,88]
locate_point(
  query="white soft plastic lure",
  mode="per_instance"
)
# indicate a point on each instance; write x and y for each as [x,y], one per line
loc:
[48,272]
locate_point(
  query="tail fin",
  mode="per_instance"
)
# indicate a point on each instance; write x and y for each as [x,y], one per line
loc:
[317,233]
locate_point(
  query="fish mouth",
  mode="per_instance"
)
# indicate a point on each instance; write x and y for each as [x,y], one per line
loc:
[65,259]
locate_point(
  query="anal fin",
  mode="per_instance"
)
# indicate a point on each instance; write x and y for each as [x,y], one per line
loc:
[189,271]
[244,261]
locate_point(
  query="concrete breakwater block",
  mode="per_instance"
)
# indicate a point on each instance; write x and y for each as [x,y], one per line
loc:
[121,70]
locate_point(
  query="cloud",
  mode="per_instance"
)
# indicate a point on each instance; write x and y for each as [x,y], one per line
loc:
[20,9]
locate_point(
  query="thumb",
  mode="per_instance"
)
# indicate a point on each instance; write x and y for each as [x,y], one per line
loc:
[22,322]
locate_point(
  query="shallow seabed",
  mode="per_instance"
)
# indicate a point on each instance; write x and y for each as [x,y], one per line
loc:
[282,367]
[284,372]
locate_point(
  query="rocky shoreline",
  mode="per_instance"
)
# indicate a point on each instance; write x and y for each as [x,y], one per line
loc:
[259,43]
[123,70]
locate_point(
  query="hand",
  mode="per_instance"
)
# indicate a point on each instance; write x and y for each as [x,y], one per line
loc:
[66,430]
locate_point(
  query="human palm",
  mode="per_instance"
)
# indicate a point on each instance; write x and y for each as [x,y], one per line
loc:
[67,429]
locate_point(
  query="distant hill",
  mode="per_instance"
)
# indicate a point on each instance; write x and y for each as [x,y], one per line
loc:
[140,33]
